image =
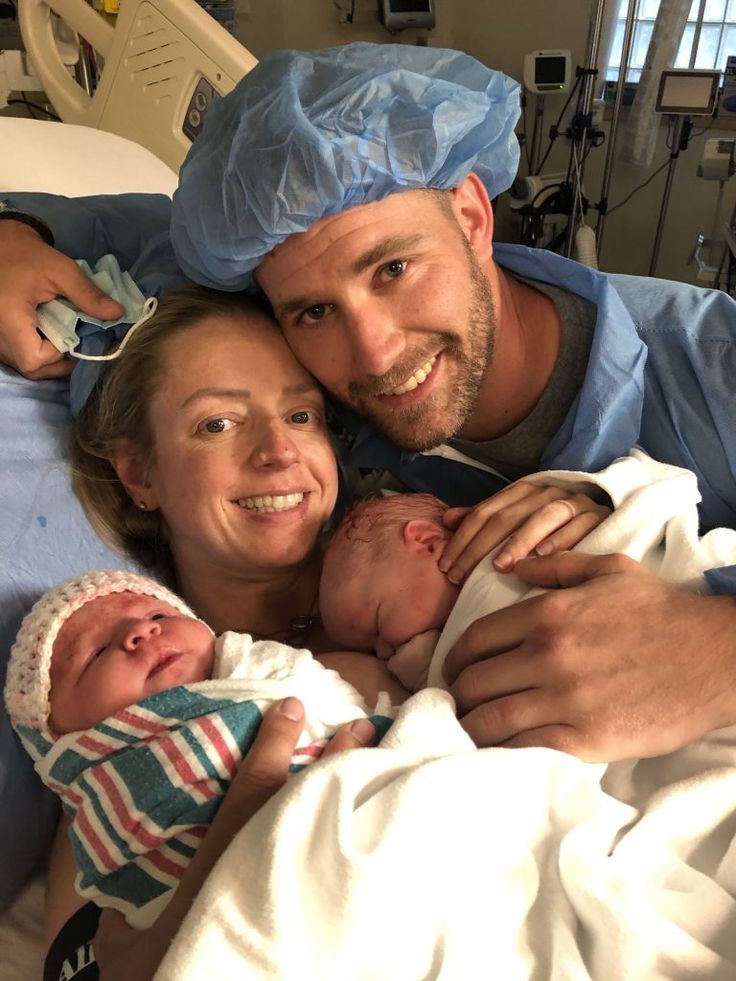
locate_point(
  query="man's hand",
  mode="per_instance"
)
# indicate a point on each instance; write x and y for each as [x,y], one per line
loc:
[617,665]
[122,952]
[30,273]
[529,516]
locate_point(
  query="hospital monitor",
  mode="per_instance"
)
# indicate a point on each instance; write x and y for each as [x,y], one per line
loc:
[547,71]
[399,14]
[688,92]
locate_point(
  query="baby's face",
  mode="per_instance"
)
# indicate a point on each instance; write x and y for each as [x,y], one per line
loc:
[119,649]
[393,599]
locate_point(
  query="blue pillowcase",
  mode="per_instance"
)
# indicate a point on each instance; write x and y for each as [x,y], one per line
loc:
[44,537]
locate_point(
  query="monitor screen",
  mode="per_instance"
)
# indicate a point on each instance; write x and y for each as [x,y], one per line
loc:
[410,6]
[691,93]
[549,70]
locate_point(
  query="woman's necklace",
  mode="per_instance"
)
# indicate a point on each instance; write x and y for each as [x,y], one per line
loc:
[304,623]
[299,629]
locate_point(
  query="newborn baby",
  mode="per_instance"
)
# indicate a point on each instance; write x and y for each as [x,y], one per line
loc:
[137,716]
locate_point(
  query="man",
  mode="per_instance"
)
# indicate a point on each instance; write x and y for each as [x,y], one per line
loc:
[310,182]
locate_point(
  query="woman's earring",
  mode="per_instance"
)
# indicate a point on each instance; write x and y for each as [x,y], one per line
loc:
[142,505]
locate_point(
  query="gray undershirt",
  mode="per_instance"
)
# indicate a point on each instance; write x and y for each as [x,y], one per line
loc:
[519,451]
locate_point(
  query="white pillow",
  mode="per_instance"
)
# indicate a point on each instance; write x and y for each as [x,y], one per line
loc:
[61,158]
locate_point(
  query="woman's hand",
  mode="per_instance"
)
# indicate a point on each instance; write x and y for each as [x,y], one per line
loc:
[531,518]
[122,952]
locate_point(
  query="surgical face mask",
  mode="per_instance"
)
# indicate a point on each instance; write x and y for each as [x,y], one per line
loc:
[87,339]
[67,327]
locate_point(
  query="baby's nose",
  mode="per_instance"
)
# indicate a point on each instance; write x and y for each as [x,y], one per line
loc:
[139,632]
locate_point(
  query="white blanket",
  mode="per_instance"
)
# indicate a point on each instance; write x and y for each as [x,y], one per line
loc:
[427,858]
[655,521]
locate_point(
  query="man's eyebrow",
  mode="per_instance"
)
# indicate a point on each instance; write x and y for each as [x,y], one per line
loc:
[390,246]
[396,245]
[292,306]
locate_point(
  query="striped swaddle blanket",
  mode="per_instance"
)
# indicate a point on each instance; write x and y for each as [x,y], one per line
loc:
[142,786]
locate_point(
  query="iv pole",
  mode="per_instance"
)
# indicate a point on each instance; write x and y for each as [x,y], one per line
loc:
[680,139]
[536,152]
[683,125]
[584,116]
[608,165]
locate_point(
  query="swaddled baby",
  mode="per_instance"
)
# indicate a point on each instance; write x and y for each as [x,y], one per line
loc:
[382,588]
[137,717]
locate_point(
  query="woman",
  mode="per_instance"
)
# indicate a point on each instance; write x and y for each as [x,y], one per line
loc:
[204,454]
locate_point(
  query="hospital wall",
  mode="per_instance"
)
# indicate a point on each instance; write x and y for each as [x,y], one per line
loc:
[499,33]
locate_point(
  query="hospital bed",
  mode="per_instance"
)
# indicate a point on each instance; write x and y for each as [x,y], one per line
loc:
[553,897]
[162,64]
[73,160]
[161,60]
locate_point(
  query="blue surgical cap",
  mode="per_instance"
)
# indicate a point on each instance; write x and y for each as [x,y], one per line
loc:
[309,134]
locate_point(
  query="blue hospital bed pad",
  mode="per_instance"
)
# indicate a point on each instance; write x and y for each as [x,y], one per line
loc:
[44,537]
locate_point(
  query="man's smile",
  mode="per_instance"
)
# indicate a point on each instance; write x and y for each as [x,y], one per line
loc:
[417,378]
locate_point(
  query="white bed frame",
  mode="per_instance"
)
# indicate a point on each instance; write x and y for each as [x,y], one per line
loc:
[155,57]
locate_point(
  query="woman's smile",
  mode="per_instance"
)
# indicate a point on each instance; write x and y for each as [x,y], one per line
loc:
[271,503]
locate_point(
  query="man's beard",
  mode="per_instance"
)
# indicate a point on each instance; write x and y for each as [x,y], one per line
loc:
[443,413]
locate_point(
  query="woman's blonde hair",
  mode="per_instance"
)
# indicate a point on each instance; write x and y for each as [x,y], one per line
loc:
[117,414]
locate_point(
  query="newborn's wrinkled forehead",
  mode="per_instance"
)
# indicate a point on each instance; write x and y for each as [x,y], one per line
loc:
[95,618]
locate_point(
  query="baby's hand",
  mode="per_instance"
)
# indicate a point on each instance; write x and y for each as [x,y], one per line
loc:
[530,518]
[366,673]
[410,662]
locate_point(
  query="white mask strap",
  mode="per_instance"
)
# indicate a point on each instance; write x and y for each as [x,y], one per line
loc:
[149,308]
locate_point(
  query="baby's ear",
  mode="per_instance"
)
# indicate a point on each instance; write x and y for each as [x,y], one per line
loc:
[423,536]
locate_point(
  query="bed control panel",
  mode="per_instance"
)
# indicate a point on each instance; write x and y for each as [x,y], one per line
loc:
[199,103]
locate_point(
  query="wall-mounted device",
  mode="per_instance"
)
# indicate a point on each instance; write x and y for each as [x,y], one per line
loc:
[718,163]
[396,15]
[709,255]
[547,72]
[688,92]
